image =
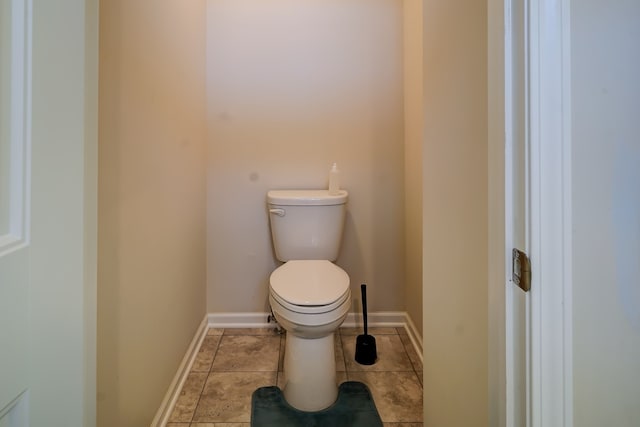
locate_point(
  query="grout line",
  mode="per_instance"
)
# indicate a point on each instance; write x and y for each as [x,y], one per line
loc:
[193,414]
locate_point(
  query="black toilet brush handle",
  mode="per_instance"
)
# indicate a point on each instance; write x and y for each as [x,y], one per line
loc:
[363,289]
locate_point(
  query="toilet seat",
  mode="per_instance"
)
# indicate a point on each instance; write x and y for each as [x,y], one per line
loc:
[313,309]
[309,286]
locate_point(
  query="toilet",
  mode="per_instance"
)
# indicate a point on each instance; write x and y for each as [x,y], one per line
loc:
[309,295]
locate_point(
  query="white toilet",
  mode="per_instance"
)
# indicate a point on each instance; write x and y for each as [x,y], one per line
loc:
[309,295]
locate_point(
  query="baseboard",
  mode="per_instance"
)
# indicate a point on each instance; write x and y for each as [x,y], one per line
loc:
[239,320]
[170,399]
[414,336]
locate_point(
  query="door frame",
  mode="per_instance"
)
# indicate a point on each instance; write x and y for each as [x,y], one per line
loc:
[550,393]
[504,393]
[549,134]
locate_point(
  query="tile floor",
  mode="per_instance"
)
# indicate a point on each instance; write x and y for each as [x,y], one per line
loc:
[232,363]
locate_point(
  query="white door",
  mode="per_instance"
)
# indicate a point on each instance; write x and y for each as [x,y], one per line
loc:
[586,203]
[48,85]
[605,215]
[14,215]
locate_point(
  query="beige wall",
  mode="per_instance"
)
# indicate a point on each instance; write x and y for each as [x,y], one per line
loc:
[496,295]
[455,213]
[292,87]
[413,140]
[151,201]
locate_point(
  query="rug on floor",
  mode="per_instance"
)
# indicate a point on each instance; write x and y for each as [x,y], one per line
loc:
[353,408]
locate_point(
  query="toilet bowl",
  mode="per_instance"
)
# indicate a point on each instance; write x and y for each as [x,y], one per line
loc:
[310,299]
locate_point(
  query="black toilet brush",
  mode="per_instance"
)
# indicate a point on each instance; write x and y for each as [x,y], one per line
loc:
[366,353]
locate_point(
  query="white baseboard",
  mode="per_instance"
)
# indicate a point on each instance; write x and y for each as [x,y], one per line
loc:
[239,320]
[170,399]
[414,336]
[382,319]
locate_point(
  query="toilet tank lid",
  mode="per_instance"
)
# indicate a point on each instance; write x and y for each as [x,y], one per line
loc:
[306,197]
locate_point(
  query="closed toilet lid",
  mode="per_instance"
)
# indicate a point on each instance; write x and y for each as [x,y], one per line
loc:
[309,282]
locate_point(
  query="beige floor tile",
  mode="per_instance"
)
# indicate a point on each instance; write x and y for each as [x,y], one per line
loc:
[391,355]
[205,355]
[247,353]
[339,353]
[398,395]
[283,341]
[245,359]
[188,399]
[341,377]
[280,380]
[226,397]
[411,352]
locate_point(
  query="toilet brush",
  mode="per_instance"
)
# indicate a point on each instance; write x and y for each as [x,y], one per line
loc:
[366,353]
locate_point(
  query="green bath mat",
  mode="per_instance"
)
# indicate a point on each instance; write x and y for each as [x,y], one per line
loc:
[354,408]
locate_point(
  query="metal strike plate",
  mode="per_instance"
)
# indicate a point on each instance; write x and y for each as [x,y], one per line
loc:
[521,270]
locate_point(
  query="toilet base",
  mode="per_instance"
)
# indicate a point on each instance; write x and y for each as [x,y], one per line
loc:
[310,372]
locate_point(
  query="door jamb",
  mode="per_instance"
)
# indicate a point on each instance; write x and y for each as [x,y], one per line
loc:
[550,153]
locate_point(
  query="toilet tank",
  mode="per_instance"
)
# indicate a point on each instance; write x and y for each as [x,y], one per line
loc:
[306,224]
